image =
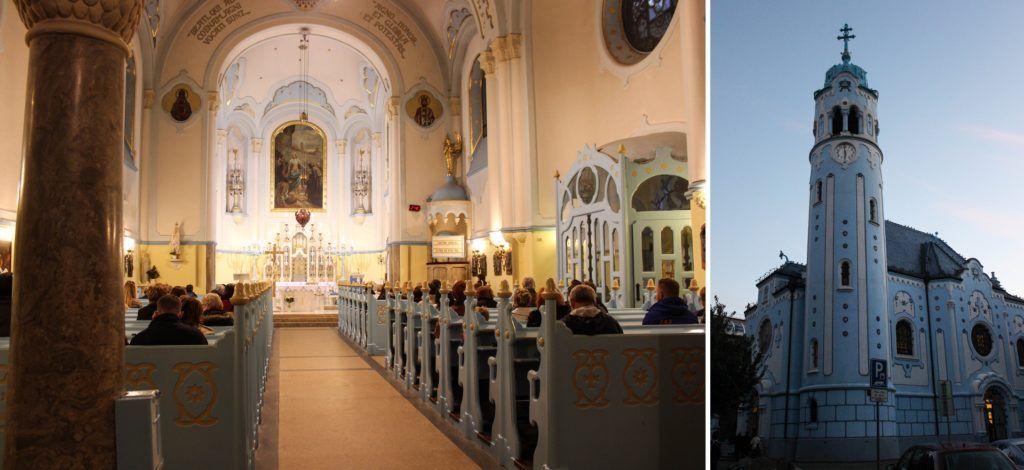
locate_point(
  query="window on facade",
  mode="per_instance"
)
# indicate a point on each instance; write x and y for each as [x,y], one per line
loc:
[821,126]
[853,123]
[814,354]
[764,336]
[1020,352]
[981,338]
[844,274]
[812,409]
[645,22]
[837,121]
[817,192]
[904,338]
[873,210]
[667,241]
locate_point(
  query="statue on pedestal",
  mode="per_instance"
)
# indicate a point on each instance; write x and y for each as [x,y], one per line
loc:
[176,242]
[452,150]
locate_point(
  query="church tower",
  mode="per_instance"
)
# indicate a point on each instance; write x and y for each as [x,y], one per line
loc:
[846,320]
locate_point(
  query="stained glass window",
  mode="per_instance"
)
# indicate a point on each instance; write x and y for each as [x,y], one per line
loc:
[904,338]
[764,336]
[981,338]
[646,21]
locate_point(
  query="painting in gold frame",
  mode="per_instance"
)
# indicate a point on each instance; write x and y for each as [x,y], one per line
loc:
[299,162]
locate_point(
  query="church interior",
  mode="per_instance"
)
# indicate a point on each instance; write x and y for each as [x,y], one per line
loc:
[331,169]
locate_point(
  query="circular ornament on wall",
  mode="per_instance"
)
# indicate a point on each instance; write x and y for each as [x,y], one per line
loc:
[981,339]
[632,29]
[424,109]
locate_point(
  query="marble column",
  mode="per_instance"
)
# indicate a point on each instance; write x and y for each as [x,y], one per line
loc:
[67,339]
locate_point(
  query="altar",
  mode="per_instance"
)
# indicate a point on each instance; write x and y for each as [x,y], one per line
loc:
[306,297]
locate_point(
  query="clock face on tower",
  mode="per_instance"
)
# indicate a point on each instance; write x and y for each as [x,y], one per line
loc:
[844,154]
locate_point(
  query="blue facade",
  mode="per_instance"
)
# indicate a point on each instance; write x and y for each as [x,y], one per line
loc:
[874,289]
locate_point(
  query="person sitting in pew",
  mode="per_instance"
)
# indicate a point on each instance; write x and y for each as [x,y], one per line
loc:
[523,303]
[457,298]
[190,291]
[417,294]
[178,291]
[585,318]
[530,285]
[434,291]
[155,292]
[213,311]
[167,327]
[192,314]
[670,308]
[599,304]
[485,297]
[130,301]
[229,292]
[561,308]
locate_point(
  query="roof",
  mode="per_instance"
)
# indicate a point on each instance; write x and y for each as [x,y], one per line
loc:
[921,255]
[788,269]
[450,191]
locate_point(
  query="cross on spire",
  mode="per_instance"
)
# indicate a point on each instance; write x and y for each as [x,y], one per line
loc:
[846,37]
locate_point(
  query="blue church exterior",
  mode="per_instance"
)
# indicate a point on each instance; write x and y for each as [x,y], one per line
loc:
[875,289]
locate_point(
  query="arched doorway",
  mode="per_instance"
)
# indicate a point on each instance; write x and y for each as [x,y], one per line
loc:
[995,414]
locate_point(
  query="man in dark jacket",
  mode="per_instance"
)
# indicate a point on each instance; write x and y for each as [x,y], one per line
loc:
[167,328]
[670,309]
[585,318]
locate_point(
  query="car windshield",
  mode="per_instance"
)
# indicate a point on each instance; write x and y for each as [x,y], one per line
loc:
[1020,447]
[972,459]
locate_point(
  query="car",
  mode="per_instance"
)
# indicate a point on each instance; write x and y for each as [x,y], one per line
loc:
[1013,448]
[953,456]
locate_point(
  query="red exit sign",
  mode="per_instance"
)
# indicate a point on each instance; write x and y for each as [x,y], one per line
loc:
[414,208]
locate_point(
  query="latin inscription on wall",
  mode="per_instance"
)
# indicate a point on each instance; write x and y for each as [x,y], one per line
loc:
[387,22]
[216,20]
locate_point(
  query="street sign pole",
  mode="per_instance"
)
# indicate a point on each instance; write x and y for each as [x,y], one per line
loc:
[878,439]
[879,394]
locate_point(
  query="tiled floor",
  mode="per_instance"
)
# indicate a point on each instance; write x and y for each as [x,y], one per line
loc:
[334,411]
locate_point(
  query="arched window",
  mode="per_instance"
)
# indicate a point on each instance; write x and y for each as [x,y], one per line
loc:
[821,126]
[854,121]
[812,410]
[764,336]
[814,354]
[837,120]
[817,192]
[844,274]
[1020,352]
[870,126]
[904,338]
[981,338]
[873,210]
[477,109]
[647,249]
[667,241]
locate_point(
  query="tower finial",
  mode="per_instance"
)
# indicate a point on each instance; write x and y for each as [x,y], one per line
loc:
[846,37]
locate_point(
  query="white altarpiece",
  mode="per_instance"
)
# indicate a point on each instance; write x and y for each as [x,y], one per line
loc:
[303,268]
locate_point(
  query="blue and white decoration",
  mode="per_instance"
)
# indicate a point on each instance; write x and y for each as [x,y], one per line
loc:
[875,289]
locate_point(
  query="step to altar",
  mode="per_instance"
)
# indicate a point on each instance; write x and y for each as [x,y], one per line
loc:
[305,320]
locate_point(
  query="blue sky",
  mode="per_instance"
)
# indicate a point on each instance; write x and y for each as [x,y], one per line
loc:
[951,110]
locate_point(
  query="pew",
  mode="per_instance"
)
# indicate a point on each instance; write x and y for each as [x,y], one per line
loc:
[649,382]
[478,347]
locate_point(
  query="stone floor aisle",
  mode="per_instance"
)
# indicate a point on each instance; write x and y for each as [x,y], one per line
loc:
[327,408]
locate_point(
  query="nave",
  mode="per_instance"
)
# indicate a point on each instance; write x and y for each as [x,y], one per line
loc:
[327,405]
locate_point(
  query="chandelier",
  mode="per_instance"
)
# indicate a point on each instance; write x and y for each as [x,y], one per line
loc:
[304,71]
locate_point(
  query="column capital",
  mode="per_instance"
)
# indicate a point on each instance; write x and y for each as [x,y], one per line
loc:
[487,61]
[257,144]
[394,103]
[110,21]
[377,138]
[148,95]
[222,137]
[341,144]
[213,100]
[507,47]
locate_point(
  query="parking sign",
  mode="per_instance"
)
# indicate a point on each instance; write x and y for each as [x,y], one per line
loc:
[879,373]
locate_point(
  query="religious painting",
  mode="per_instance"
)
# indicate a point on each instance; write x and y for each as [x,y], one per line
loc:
[299,165]
[477,107]
[424,109]
[129,113]
[180,102]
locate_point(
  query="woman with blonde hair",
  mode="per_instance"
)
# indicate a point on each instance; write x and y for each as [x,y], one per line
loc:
[213,311]
[130,299]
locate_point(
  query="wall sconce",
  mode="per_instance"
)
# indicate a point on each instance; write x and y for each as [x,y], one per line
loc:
[7,233]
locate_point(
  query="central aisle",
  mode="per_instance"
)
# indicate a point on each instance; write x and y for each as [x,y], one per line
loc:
[335,411]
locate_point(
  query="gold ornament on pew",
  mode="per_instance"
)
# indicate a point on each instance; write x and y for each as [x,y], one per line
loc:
[615,284]
[694,286]
[650,285]
[550,290]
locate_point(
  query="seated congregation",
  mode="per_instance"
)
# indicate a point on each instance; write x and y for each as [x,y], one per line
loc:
[538,381]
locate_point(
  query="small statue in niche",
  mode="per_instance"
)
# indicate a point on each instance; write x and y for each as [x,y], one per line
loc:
[499,255]
[452,150]
[508,262]
[176,242]
[424,115]
[181,110]
[129,264]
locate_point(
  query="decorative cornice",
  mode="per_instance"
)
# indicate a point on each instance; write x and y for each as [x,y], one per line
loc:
[110,21]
